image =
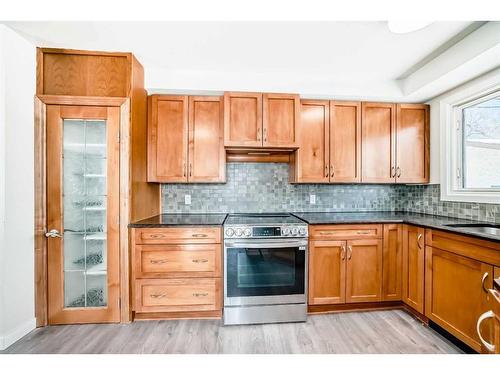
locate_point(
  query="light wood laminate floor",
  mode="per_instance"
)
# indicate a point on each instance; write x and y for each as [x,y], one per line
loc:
[391,331]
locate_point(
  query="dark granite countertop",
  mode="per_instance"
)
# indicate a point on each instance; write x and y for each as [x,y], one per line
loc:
[423,220]
[173,220]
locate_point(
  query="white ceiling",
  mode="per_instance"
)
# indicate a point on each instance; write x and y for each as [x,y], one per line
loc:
[316,59]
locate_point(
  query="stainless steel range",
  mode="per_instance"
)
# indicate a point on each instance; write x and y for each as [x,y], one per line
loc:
[265,269]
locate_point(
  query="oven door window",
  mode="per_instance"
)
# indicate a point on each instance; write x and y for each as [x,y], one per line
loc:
[265,272]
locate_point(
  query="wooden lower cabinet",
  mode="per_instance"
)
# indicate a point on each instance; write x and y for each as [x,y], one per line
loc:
[364,271]
[456,293]
[177,272]
[392,262]
[413,267]
[327,268]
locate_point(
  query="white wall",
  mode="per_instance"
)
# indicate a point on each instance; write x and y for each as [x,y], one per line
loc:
[17,89]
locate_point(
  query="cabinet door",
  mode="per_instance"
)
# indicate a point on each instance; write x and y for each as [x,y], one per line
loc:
[456,293]
[378,142]
[327,272]
[392,266]
[167,138]
[364,271]
[280,118]
[413,267]
[412,143]
[242,119]
[312,157]
[345,141]
[206,140]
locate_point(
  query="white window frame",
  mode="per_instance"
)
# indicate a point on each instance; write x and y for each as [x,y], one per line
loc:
[450,108]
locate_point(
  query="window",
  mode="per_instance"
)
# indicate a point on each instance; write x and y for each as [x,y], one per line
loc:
[469,125]
[479,144]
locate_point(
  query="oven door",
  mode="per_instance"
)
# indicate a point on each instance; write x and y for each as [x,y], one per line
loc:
[265,271]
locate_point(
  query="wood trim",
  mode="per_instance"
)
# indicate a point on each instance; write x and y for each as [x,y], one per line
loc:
[40,215]
[416,314]
[103,101]
[69,51]
[350,307]
[392,263]
[217,314]
[263,157]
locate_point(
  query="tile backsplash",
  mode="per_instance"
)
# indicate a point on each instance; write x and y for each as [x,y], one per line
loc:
[264,187]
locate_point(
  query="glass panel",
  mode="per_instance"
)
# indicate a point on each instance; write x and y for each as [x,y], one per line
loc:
[265,272]
[481,145]
[84,198]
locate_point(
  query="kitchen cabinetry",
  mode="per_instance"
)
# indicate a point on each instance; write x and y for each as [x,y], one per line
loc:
[329,141]
[413,267]
[395,143]
[177,272]
[392,262]
[345,264]
[255,120]
[457,281]
[185,139]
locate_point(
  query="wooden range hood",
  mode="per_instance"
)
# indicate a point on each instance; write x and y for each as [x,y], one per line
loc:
[260,155]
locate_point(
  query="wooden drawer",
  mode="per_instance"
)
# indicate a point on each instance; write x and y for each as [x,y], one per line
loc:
[178,235]
[344,232]
[171,295]
[171,261]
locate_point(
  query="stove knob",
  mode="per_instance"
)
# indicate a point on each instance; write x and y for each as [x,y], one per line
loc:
[295,231]
[239,232]
[285,231]
[247,232]
[229,232]
[302,231]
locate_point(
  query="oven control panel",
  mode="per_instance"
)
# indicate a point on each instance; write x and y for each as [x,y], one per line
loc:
[266,231]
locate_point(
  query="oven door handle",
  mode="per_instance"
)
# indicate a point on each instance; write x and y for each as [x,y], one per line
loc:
[267,244]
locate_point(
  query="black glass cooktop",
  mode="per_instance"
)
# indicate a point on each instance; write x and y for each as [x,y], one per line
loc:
[262,219]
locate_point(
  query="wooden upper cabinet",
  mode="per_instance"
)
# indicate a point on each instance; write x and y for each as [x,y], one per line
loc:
[392,267]
[173,122]
[412,143]
[345,141]
[280,115]
[327,266]
[206,139]
[413,267]
[313,156]
[242,119]
[167,138]
[378,142]
[364,271]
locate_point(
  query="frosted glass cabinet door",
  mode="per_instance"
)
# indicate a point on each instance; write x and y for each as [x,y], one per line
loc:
[83,210]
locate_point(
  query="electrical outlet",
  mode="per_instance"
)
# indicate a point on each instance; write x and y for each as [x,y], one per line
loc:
[187,199]
[312,198]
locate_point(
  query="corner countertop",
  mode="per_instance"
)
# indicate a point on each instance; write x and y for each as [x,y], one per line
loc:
[381,217]
[174,220]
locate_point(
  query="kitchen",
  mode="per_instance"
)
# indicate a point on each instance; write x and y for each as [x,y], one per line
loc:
[178,213]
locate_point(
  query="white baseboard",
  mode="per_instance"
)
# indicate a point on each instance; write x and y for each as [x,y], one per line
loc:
[21,330]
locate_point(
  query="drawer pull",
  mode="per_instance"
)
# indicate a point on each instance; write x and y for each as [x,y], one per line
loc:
[199,260]
[485,276]
[153,236]
[486,344]
[200,294]
[350,252]
[199,235]
[326,233]
[363,232]
[161,295]
[158,261]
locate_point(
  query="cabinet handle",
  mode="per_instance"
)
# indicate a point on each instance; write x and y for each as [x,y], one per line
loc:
[342,253]
[399,172]
[326,233]
[158,261]
[485,276]
[161,295]
[199,260]
[350,252]
[200,294]
[363,232]
[265,134]
[326,170]
[393,172]
[418,241]
[190,169]
[198,235]
[258,133]
[184,170]
[484,316]
[332,173]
